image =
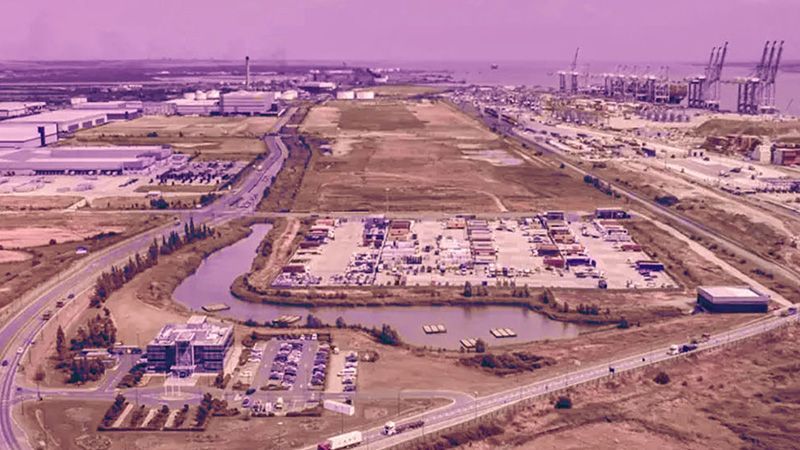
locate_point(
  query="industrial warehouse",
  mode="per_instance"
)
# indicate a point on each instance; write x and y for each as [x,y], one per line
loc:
[731,299]
[81,160]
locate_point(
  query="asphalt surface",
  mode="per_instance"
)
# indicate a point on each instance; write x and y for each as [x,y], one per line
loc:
[19,331]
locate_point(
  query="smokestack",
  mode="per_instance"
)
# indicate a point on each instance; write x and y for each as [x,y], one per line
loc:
[247,72]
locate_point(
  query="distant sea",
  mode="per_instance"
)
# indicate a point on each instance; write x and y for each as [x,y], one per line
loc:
[543,73]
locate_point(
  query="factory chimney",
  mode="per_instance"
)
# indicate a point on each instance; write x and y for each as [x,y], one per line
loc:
[247,72]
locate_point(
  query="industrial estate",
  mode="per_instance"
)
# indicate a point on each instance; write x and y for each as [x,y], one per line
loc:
[249,255]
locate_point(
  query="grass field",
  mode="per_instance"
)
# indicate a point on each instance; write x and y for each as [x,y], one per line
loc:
[425,156]
[207,138]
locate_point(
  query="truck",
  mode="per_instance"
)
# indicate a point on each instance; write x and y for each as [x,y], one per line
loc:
[674,349]
[390,428]
[685,348]
[341,441]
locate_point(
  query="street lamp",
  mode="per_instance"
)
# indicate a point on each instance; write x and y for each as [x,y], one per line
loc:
[476,405]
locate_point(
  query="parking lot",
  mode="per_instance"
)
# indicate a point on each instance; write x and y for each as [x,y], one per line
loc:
[570,252]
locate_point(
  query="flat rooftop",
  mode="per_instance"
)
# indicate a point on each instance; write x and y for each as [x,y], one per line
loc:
[197,330]
[61,115]
[742,292]
[19,132]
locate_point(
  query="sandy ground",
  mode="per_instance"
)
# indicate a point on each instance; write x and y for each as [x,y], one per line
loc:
[67,424]
[743,396]
[411,155]
[36,202]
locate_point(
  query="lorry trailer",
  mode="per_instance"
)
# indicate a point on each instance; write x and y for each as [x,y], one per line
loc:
[390,428]
[341,441]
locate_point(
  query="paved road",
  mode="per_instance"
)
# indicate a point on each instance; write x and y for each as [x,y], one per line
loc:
[463,411]
[20,330]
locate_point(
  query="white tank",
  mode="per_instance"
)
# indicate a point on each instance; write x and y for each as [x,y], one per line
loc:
[200,95]
[189,95]
[213,93]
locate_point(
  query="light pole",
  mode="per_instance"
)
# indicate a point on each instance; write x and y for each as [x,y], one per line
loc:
[476,405]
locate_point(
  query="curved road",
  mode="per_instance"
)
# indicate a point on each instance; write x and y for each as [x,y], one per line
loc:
[19,332]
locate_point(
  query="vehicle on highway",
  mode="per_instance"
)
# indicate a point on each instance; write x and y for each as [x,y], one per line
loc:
[790,311]
[688,348]
[20,350]
[674,349]
[71,296]
[59,303]
[390,428]
[47,315]
[341,441]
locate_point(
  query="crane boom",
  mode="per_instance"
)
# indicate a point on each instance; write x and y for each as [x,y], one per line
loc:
[575,60]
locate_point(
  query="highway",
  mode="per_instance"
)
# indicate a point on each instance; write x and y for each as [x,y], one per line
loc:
[462,411]
[17,334]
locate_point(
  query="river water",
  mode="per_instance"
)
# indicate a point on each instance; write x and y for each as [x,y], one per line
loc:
[210,284]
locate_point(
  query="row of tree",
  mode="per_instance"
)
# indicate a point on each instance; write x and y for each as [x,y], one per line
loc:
[116,277]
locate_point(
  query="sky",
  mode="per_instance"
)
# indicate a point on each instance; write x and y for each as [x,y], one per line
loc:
[395,30]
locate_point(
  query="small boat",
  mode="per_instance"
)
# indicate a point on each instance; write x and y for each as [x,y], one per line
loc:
[494,67]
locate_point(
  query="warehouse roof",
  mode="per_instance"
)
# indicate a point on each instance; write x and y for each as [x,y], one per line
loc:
[741,292]
[19,132]
[61,115]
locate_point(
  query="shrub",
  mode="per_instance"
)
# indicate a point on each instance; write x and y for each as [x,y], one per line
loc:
[563,402]
[661,378]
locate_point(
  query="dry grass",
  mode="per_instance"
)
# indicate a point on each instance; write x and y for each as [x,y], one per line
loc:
[420,156]
[746,396]
[36,202]
[206,138]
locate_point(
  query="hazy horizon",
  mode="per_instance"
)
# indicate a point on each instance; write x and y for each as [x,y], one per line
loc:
[403,31]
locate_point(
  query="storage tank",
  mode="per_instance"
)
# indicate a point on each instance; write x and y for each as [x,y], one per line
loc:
[200,95]
[212,94]
[189,95]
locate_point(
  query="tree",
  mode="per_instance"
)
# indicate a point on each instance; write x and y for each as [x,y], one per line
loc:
[39,375]
[467,289]
[313,322]
[388,336]
[60,341]
[480,346]
[662,378]
[340,322]
[563,402]
[623,324]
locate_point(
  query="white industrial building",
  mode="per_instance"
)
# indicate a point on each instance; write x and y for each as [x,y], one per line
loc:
[365,95]
[65,120]
[193,107]
[16,109]
[289,95]
[732,299]
[345,95]
[247,102]
[26,135]
[82,160]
